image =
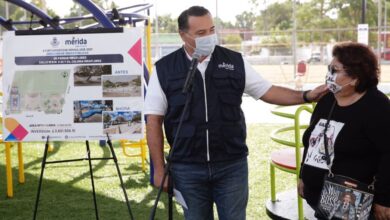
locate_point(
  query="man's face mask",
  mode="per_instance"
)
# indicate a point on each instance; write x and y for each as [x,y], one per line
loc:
[205,45]
[331,77]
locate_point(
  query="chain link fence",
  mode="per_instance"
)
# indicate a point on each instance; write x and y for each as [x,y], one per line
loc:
[271,53]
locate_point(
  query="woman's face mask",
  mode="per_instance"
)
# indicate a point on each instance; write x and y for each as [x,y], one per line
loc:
[205,45]
[331,77]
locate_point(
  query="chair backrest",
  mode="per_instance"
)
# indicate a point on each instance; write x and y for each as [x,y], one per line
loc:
[296,116]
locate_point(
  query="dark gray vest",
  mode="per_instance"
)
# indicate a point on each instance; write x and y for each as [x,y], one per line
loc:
[225,82]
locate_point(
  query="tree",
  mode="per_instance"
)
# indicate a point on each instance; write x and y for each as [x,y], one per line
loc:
[137,81]
[106,118]
[245,20]
[77,10]
[41,4]
[15,13]
[136,117]
[166,24]
[277,16]
[314,15]
[222,24]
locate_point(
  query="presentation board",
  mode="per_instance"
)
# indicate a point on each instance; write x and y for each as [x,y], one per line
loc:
[73,85]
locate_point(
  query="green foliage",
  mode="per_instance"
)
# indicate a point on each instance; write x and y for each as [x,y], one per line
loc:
[77,10]
[232,39]
[66,191]
[222,24]
[166,24]
[136,118]
[15,14]
[276,17]
[318,21]
[245,20]
[106,118]
[137,81]
[108,84]
[276,40]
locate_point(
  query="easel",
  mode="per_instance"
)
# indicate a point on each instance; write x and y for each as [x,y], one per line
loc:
[106,19]
[44,162]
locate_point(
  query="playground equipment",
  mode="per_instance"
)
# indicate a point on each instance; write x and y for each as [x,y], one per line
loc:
[288,160]
[140,145]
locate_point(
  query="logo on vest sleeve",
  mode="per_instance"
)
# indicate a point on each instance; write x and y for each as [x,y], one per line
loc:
[226,66]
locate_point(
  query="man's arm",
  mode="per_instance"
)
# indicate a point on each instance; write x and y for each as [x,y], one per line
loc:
[155,138]
[284,96]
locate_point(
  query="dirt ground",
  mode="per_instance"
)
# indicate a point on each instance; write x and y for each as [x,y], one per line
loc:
[284,74]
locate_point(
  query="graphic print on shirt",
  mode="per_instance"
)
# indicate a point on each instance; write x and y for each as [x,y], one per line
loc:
[316,152]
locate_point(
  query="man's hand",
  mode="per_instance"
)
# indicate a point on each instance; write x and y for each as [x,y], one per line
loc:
[157,177]
[154,134]
[381,212]
[317,93]
[301,185]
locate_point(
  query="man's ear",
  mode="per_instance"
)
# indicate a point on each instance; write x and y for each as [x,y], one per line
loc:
[182,35]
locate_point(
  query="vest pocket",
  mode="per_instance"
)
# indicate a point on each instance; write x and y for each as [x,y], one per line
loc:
[176,82]
[228,79]
[176,106]
[231,103]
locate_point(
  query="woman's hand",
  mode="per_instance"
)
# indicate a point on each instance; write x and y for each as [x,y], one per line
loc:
[300,188]
[381,212]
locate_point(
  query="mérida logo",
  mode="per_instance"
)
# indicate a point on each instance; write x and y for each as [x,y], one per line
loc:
[76,41]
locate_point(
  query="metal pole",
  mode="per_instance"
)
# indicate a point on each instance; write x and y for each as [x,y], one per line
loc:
[379,30]
[92,181]
[385,27]
[41,178]
[216,13]
[217,19]
[294,40]
[6,10]
[157,43]
[364,6]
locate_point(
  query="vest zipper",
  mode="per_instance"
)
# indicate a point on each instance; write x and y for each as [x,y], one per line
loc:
[207,119]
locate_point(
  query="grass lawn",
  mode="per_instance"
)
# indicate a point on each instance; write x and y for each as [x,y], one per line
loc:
[66,191]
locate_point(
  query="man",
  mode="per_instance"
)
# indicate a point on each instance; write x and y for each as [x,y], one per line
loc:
[209,162]
[345,208]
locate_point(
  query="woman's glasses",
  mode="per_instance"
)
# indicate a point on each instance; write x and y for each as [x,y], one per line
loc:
[332,70]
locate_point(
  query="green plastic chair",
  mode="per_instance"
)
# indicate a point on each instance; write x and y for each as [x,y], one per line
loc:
[288,159]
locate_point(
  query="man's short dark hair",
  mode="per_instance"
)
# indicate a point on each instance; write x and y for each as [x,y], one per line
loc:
[197,11]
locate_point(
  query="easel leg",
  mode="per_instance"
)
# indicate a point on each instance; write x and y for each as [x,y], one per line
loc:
[41,177]
[21,164]
[93,184]
[120,177]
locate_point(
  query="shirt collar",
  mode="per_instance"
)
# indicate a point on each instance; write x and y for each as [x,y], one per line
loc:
[207,59]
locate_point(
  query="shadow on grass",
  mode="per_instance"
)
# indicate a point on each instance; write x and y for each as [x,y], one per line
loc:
[64,199]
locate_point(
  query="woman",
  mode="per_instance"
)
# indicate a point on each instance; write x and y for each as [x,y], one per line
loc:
[359,129]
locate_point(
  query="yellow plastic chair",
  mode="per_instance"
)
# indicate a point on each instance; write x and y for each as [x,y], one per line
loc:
[127,145]
[288,159]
